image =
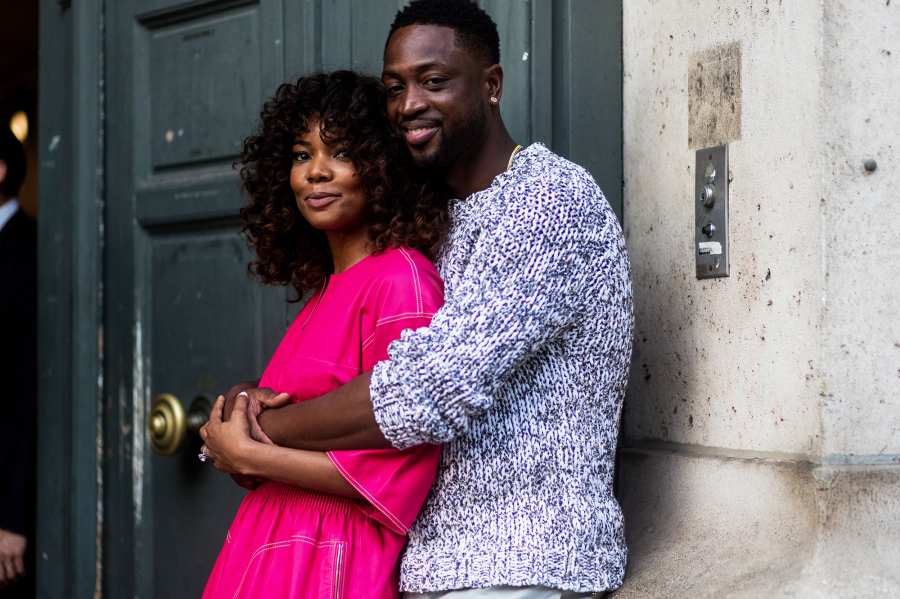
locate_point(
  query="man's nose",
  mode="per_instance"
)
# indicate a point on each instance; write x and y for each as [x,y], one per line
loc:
[412,103]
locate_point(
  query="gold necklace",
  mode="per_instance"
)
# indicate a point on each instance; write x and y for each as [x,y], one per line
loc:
[513,155]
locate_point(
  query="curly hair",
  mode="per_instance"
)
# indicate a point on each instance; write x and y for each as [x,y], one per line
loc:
[475,30]
[402,209]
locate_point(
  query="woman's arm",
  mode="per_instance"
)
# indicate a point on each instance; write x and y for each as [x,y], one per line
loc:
[233,451]
[311,470]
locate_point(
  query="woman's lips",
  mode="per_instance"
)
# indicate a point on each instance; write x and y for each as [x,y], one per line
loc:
[321,200]
[420,135]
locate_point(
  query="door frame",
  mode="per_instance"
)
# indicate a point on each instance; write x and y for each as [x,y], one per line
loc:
[70,192]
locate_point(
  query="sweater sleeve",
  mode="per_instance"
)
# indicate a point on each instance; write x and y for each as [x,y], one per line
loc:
[524,284]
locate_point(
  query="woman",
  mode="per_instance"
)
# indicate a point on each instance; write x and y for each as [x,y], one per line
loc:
[332,212]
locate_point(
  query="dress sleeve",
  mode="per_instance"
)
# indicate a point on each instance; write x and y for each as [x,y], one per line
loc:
[395,482]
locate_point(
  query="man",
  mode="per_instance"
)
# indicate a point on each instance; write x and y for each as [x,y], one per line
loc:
[18,367]
[521,374]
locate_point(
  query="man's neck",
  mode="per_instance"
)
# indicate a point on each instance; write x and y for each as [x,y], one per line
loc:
[466,177]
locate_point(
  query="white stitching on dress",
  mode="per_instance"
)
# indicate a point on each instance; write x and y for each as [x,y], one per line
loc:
[415,274]
[387,320]
[372,499]
[296,538]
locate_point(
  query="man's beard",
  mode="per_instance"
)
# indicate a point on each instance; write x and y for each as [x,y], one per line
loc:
[466,137]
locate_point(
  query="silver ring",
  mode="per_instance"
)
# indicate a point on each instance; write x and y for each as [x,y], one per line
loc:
[203,456]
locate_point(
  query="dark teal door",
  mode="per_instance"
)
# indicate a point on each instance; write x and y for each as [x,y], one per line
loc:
[151,120]
[183,318]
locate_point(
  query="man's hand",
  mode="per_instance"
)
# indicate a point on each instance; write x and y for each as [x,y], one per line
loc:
[12,556]
[271,401]
[258,399]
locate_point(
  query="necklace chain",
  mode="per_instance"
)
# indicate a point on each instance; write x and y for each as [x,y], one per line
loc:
[513,155]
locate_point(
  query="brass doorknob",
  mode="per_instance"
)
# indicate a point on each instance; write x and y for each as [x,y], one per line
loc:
[166,424]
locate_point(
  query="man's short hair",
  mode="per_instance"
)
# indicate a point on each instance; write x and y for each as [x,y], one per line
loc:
[12,153]
[475,30]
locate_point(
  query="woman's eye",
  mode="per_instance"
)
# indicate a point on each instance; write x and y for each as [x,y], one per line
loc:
[342,155]
[300,156]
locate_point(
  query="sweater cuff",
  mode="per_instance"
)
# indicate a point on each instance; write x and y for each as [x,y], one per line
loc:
[390,405]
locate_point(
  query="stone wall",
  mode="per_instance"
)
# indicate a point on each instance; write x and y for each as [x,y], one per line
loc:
[762,425]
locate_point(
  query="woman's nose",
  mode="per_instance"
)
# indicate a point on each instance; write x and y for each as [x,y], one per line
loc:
[319,170]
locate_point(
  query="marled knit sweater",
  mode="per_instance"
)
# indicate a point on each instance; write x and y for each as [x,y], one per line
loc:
[521,375]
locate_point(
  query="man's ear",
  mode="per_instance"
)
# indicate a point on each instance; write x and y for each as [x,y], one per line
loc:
[493,81]
[2,172]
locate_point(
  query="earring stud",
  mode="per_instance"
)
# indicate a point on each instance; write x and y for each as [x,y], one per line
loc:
[494,100]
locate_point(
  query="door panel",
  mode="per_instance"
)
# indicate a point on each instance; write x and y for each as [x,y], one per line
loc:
[514,26]
[353,33]
[204,84]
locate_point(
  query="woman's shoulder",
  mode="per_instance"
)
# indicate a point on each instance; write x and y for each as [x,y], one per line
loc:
[401,263]
[403,271]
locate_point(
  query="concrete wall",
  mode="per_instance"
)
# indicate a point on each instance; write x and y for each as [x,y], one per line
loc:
[725,362]
[860,119]
[748,392]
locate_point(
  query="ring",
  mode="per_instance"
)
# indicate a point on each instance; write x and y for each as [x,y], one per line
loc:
[203,456]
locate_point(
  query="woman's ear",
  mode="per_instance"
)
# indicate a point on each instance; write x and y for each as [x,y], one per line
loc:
[2,172]
[493,82]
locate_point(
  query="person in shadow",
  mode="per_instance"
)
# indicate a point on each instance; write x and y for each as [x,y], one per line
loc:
[18,367]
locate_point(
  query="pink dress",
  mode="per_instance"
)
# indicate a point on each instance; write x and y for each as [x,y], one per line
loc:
[291,542]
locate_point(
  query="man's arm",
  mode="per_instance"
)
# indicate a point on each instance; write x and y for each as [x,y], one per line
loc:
[527,280]
[342,419]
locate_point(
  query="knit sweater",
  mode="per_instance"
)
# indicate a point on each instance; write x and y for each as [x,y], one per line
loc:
[521,376]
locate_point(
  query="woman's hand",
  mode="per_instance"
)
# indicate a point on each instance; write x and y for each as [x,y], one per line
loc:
[228,442]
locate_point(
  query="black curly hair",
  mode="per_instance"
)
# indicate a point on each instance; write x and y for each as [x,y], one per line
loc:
[475,30]
[402,209]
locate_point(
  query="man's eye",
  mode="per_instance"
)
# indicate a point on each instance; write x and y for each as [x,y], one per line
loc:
[435,81]
[393,90]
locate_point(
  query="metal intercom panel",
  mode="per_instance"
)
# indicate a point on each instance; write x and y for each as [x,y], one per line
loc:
[711,212]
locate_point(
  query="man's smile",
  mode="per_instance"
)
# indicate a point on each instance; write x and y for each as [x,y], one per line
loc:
[419,133]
